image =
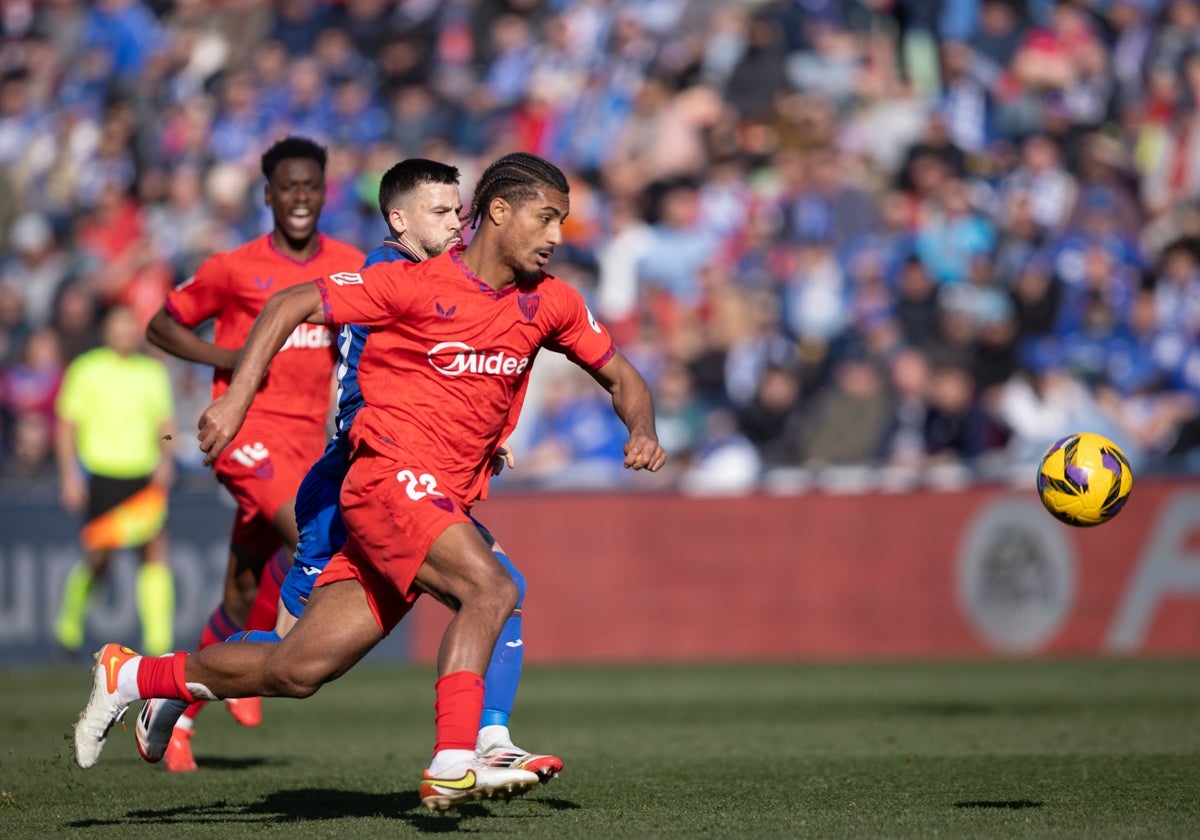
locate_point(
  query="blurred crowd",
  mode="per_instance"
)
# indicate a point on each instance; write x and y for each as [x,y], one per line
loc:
[850,243]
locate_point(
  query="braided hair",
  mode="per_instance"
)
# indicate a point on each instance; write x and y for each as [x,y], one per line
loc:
[515,178]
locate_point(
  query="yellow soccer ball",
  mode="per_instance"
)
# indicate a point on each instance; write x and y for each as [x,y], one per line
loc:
[1084,479]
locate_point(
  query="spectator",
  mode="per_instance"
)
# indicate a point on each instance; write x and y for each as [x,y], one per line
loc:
[1045,402]
[849,421]
[772,419]
[36,268]
[28,387]
[679,247]
[953,235]
[1177,287]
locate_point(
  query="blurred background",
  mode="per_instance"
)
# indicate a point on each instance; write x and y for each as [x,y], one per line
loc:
[873,256]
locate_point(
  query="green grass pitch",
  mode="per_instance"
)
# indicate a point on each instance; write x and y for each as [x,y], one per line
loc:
[1005,749]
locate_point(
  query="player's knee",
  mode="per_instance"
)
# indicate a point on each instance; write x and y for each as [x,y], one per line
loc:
[506,594]
[299,679]
[515,574]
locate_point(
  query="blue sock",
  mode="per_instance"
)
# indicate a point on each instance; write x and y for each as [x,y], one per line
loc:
[255,636]
[504,671]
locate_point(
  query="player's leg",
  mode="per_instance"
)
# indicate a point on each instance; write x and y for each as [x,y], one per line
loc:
[121,512]
[278,503]
[155,588]
[494,744]
[265,607]
[252,543]
[321,534]
[461,571]
[76,595]
[337,630]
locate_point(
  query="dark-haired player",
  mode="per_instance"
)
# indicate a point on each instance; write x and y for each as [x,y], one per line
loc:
[285,428]
[443,377]
[420,203]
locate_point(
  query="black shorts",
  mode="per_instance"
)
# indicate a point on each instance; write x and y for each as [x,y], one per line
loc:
[105,493]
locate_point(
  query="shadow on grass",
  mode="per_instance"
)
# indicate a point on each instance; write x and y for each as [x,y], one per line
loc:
[1010,804]
[311,804]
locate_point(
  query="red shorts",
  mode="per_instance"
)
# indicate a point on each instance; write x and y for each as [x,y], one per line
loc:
[262,468]
[393,511]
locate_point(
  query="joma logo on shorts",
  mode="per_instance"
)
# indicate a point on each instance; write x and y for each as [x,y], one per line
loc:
[453,358]
[308,337]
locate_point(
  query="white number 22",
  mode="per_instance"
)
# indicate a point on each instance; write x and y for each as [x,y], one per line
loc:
[415,482]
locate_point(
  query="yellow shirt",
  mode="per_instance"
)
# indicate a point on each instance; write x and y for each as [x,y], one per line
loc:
[117,405]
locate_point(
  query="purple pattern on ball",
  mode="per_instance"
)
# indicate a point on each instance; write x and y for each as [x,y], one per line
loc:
[1111,464]
[1077,474]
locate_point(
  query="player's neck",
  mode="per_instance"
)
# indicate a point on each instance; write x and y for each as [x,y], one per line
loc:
[489,269]
[296,249]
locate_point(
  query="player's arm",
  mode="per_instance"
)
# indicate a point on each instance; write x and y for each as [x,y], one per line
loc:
[634,404]
[72,487]
[165,332]
[285,311]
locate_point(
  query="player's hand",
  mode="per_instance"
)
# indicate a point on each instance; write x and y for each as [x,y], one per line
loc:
[503,458]
[643,452]
[218,425]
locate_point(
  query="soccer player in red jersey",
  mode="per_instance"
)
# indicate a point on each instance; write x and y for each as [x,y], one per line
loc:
[285,428]
[443,377]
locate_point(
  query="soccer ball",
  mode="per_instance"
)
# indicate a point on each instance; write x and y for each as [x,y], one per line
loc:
[1084,479]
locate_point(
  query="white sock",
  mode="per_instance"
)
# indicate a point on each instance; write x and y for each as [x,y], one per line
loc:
[127,688]
[490,736]
[446,760]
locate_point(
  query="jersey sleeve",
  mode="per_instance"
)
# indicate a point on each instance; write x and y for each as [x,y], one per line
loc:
[201,296]
[370,297]
[71,403]
[583,339]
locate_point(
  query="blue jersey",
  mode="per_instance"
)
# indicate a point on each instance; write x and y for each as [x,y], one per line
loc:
[335,462]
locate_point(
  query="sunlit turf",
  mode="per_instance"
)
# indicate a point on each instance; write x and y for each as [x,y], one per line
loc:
[1006,749]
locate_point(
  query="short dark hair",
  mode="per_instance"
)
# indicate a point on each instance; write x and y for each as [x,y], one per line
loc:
[409,174]
[515,178]
[293,147]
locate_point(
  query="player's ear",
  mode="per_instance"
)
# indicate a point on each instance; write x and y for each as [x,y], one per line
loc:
[498,210]
[396,220]
[267,194]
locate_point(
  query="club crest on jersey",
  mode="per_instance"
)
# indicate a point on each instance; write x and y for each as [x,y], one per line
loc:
[347,278]
[529,305]
[264,282]
[265,470]
[444,503]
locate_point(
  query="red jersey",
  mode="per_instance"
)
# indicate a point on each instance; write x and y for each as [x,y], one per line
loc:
[233,287]
[445,369]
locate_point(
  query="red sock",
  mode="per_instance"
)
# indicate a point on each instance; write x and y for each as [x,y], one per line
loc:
[458,707]
[162,676]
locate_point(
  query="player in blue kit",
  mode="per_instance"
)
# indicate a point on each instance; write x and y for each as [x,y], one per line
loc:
[420,201]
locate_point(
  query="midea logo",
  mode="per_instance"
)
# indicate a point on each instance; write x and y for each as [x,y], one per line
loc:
[454,358]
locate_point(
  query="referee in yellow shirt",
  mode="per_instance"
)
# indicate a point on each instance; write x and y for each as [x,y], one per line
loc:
[113,446]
